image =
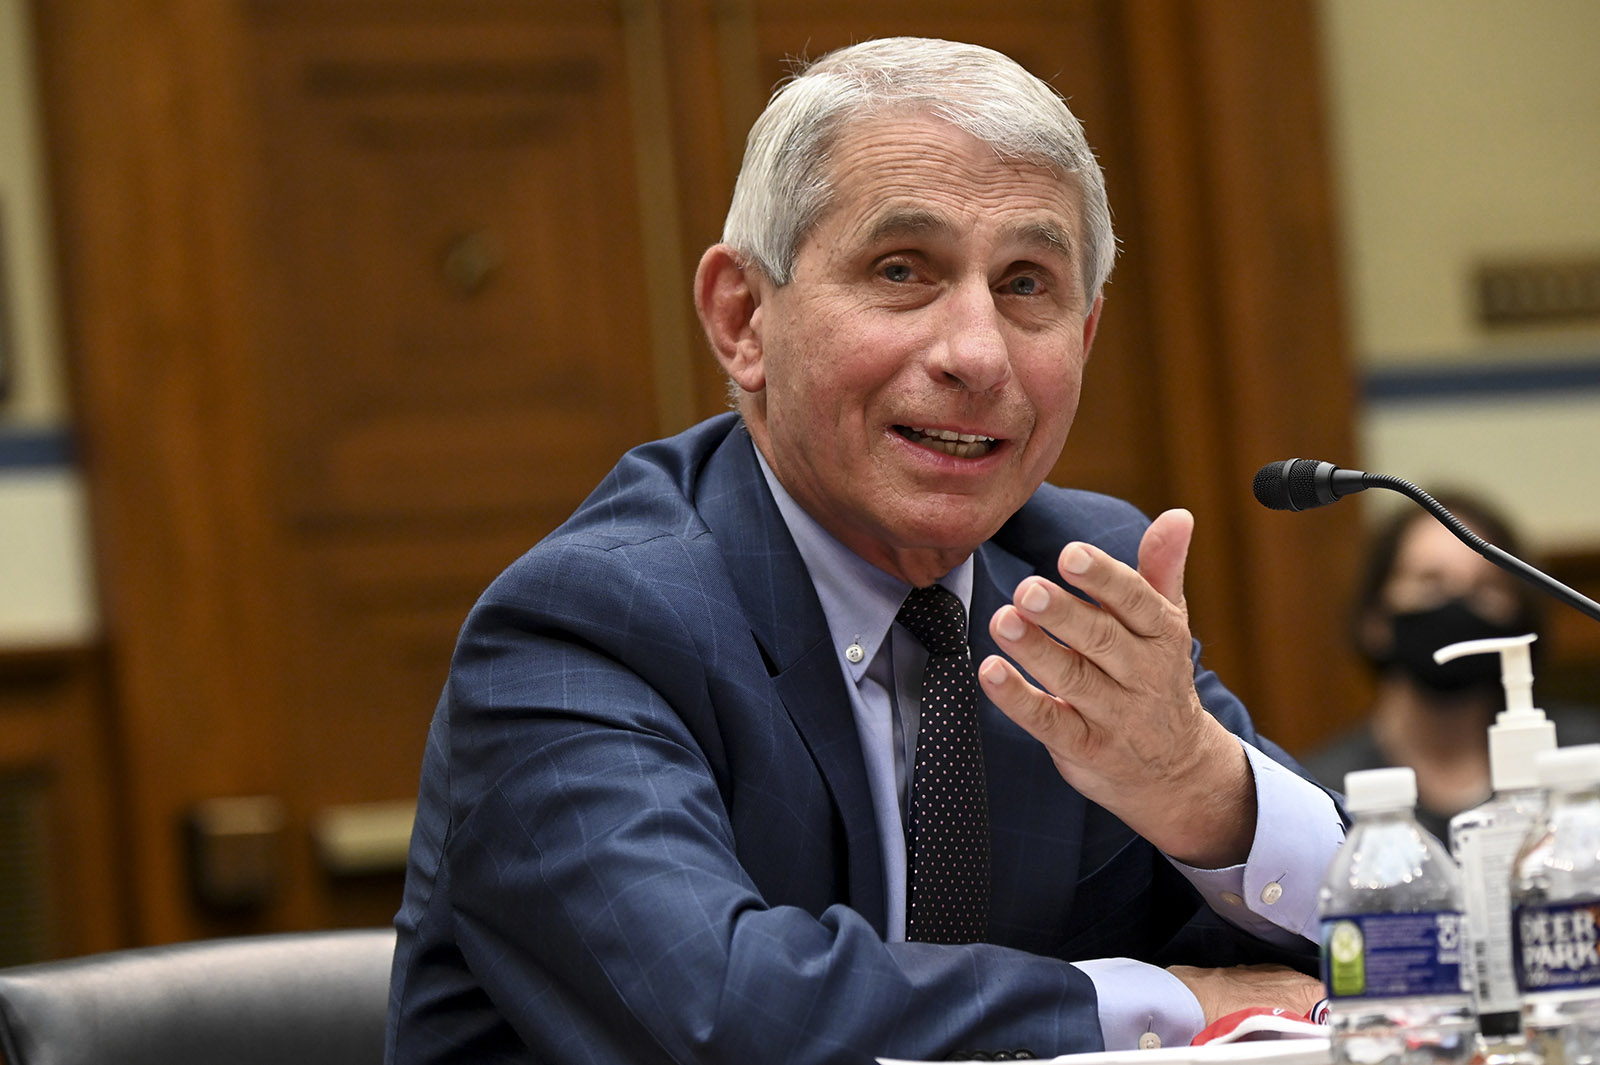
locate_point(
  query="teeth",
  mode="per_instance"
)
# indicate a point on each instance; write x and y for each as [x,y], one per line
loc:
[961,445]
[952,437]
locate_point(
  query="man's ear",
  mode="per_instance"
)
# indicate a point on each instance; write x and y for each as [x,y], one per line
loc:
[1091,324]
[727,295]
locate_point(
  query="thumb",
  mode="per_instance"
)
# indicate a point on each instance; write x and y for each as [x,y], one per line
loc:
[1164,551]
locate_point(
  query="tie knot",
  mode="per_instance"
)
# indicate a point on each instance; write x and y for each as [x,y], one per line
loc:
[936,617]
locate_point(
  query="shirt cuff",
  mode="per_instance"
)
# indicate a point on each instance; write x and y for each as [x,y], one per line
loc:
[1142,1006]
[1273,895]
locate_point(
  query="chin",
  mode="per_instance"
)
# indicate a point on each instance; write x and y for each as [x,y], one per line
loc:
[945,536]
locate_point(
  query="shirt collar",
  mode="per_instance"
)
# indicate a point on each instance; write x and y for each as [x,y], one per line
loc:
[859,600]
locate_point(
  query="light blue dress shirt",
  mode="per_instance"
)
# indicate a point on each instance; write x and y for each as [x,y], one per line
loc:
[1273,895]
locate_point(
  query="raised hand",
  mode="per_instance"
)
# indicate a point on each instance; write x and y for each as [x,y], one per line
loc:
[1112,696]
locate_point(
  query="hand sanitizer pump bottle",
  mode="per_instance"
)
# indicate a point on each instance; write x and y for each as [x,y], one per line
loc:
[1485,839]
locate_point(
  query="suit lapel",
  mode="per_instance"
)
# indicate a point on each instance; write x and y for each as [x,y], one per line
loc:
[787,622]
[1037,817]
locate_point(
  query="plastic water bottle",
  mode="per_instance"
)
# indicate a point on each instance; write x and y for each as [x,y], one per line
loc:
[1555,915]
[1393,934]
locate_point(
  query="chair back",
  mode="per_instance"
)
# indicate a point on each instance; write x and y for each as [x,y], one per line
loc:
[307,998]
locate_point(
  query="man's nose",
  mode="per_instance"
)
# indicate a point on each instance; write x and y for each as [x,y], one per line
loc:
[971,353]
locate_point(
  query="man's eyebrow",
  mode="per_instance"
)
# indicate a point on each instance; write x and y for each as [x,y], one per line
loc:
[908,222]
[914,222]
[1047,235]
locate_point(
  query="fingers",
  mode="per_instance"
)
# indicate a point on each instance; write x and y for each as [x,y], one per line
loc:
[1224,991]
[1164,551]
[1042,617]
[1087,661]
[1106,635]
[1047,719]
[1093,661]
[1108,687]
[1124,592]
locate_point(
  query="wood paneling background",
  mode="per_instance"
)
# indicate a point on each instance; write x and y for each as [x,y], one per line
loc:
[363,297]
[60,855]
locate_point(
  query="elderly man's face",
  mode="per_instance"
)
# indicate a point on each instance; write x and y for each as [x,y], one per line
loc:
[917,377]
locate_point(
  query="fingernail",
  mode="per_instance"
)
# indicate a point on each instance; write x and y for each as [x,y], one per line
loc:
[1009,624]
[1035,598]
[1075,559]
[992,671]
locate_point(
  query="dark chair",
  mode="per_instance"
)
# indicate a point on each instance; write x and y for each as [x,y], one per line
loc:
[300,998]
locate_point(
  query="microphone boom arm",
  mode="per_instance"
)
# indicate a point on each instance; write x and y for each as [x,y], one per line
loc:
[1506,561]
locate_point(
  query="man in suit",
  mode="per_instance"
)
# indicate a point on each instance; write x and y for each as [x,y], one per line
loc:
[674,801]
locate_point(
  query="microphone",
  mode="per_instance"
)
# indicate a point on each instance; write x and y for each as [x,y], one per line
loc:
[1300,484]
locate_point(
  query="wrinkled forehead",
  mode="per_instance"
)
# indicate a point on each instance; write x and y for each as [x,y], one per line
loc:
[851,125]
[847,172]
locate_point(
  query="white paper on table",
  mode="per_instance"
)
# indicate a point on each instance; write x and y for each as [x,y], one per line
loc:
[1309,1050]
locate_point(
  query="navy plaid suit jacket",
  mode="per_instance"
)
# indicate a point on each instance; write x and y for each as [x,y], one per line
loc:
[644,832]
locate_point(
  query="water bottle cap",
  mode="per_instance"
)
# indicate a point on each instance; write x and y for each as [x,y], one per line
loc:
[1566,766]
[1392,788]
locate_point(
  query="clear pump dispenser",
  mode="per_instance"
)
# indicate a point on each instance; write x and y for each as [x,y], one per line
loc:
[1485,840]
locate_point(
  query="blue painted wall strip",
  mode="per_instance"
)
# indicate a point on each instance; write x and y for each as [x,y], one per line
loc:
[42,448]
[1519,381]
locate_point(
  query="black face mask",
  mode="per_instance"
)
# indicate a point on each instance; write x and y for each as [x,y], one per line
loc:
[1419,633]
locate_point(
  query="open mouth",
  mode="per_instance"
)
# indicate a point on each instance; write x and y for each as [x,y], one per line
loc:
[960,445]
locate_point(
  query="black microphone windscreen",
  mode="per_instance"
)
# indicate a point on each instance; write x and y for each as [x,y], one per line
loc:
[1303,483]
[1300,484]
[1310,483]
[1271,485]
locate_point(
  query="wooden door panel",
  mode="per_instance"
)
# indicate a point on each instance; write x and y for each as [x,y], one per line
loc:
[455,351]
[407,386]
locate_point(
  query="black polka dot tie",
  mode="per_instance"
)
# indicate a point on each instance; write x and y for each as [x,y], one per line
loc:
[948,881]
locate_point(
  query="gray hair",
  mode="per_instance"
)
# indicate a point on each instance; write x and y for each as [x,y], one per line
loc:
[784,187]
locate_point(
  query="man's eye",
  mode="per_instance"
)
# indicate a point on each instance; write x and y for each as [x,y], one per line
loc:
[1023,285]
[897,272]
